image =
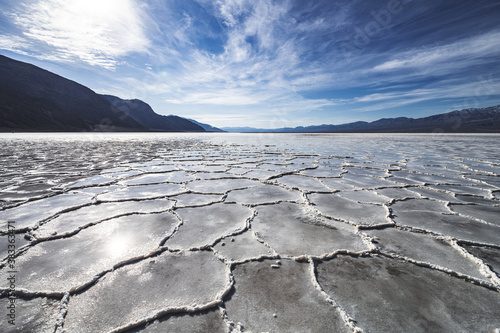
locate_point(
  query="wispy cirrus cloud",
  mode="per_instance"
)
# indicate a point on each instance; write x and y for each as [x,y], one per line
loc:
[457,54]
[263,59]
[464,93]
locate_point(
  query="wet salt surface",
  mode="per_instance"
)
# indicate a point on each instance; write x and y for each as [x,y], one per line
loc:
[251,232]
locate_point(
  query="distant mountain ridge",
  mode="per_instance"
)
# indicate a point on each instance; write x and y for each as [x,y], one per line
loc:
[474,120]
[207,127]
[33,99]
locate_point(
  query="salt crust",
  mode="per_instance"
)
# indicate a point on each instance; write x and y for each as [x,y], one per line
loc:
[189,236]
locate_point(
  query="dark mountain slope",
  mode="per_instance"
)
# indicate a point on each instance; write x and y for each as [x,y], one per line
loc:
[33,99]
[27,113]
[143,114]
[30,94]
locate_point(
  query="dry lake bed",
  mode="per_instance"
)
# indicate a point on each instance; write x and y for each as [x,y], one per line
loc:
[249,233]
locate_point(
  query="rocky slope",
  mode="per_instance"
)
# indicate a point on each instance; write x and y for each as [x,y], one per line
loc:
[33,99]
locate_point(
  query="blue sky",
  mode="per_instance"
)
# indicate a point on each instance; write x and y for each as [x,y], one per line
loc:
[268,64]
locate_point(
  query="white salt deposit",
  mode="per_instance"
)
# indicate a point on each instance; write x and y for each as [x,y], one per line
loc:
[251,232]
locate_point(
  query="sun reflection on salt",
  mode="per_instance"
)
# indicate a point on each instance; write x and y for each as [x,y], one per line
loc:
[118,245]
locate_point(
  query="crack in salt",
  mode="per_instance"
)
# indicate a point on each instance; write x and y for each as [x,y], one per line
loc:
[451,272]
[63,310]
[348,320]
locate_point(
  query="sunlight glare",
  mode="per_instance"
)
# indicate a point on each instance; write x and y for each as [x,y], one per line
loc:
[118,245]
[95,31]
[99,9]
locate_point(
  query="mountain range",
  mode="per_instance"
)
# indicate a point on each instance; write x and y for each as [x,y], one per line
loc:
[473,120]
[33,99]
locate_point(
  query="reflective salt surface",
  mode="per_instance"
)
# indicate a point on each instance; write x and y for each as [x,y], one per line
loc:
[251,232]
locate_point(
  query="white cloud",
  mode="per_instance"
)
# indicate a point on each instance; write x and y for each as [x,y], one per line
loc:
[389,104]
[468,50]
[245,73]
[97,32]
[480,89]
[14,43]
[225,97]
[230,9]
[393,95]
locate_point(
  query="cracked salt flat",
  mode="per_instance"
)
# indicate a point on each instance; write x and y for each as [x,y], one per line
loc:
[368,182]
[411,178]
[95,180]
[37,315]
[434,194]
[367,172]
[198,322]
[405,181]
[215,168]
[423,205]
[322,171]
[437,179]
[468,190]
[274,167]
[94,191]
[142,192]
[242,247]
[477,200]
[490,214]
[155,168]
[337,184]
[219,185]
[222,244]
[303,183]
[30,213]
[23,193]
[20,241]
[336,207]
[363,196]
[388,295]
[88,215]
[174,281]
[490,255]
[202,226]
[397,193]
[290,231]
[449,225]
[213,175]
[237,171]
[490,180]
[170,177]
[267,299]
[263,194]
[66,263]
[430,250]
[125,174]
[193,199]
[261,174]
